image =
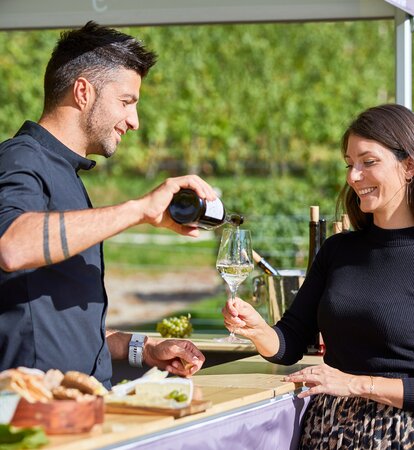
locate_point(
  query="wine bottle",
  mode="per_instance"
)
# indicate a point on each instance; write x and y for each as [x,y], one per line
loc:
[338,227]
[264,265]
[319,343]
[322,231]
[187,208]
[314,236]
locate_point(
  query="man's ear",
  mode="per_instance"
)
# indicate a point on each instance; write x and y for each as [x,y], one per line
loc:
[83,92]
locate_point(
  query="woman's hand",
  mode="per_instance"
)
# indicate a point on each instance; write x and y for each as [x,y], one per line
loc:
[241,318]
[327,380]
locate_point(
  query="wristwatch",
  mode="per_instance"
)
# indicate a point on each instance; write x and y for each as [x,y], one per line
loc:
[136,346]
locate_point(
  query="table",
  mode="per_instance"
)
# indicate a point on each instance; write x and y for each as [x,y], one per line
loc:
[251,406]
[270,424]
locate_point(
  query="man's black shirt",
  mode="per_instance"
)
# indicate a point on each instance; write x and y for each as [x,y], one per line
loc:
[53,316]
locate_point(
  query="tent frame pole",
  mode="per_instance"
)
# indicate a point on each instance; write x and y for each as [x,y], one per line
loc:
[403,58]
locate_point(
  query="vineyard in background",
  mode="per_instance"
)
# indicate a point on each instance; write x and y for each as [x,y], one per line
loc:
[256,109]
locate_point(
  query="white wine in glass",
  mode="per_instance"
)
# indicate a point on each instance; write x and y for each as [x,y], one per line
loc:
[234,263]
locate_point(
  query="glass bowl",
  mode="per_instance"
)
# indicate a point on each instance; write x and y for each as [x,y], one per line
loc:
[8,404]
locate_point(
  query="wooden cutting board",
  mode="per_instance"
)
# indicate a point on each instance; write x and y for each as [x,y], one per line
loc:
[196,406]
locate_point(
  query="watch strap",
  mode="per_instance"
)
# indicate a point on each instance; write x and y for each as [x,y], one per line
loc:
[136,345]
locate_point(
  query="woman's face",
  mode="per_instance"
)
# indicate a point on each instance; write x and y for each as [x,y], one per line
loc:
[377,177]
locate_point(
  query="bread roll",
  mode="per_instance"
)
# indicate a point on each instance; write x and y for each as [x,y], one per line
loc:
[85,383]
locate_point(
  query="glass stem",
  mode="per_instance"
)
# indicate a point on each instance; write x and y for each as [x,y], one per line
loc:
[232,297]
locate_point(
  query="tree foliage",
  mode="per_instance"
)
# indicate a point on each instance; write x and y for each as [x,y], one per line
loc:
[228,99]
[264,100]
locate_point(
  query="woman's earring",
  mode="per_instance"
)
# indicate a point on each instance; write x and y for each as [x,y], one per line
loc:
[408,190]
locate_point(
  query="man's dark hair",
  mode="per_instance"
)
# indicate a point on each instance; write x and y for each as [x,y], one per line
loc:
[96,53]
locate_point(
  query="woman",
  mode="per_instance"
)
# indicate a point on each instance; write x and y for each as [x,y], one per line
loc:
[360,294]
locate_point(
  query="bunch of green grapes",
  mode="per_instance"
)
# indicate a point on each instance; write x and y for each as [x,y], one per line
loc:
[175,327]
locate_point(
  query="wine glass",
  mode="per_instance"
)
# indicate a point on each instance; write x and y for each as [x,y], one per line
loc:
[234,262]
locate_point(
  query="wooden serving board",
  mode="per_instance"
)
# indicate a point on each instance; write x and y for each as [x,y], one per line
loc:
[196,406]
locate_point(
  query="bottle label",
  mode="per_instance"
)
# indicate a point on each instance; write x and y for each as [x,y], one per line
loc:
[215,209]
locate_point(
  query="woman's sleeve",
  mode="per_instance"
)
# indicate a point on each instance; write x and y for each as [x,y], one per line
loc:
[298,326]
[408,400]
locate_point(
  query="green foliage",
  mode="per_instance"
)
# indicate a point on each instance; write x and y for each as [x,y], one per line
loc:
[266,100]
[229,99]
[12,438]
[23,59]
[153,254]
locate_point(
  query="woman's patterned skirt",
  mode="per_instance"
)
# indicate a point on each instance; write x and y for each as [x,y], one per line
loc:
[355,423]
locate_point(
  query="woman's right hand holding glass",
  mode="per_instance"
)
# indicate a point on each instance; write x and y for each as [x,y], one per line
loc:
[243,319]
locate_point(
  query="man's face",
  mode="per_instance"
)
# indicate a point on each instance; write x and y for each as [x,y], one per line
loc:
[113,113]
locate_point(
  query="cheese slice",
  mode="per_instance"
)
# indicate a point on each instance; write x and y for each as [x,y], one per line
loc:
[156,394]
[129,387]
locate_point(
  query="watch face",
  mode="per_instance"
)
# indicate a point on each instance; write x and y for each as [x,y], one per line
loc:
[137,340]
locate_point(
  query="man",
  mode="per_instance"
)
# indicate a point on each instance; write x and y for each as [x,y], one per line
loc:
[52,296]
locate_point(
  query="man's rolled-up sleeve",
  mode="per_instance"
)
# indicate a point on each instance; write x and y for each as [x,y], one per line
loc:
[22,184]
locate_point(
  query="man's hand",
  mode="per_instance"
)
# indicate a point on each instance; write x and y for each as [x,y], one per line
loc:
[179,357]
[155,203]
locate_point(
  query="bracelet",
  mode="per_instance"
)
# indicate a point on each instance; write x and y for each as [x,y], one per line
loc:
[371,388]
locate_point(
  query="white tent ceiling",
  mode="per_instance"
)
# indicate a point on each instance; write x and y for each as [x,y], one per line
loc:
[70,13]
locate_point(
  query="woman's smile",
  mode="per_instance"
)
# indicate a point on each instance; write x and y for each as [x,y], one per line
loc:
[366,191]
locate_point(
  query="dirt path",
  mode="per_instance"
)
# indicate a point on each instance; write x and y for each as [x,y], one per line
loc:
[144,297]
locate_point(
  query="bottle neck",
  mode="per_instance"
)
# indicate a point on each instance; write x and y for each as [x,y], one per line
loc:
[322,231]
[234,219]
[314,243]
[267,268]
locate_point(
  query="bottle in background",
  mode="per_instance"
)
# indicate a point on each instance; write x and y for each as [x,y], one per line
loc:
[322,231]
[317,234]
[265,265]
[187,208]
[320,345]
[338,227]
[314,235]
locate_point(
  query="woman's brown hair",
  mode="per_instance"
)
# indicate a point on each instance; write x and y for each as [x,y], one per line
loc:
[392,126]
